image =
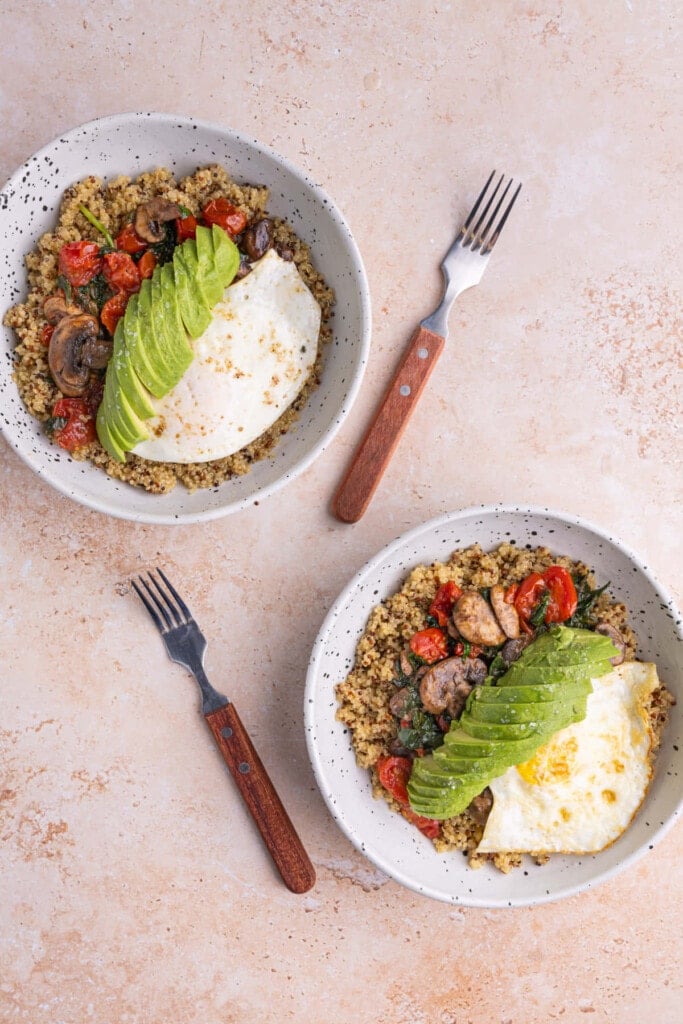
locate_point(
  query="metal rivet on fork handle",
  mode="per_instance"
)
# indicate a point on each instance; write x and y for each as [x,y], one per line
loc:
[226,733]
[243,767]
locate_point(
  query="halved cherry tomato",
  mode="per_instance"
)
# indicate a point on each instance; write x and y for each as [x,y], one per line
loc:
[146,264]
[113,310]
[511,593]
[185,227]
[428,826]
[129,241]
[79,428]
[121,272]
[46,333]
[429,644]
[563,598]
[394,773]
[79,262]
[220,211]
[444,599]
[530,592]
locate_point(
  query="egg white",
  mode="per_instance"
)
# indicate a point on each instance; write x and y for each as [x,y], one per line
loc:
[249,366]
[581,790]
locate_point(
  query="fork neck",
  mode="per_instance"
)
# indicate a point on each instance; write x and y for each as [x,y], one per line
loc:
[211,698]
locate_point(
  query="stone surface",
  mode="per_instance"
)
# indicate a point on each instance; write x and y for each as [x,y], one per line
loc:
[134,887]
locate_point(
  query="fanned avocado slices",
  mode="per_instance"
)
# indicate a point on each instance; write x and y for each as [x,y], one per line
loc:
[152,341]
[493,734]
[194,308]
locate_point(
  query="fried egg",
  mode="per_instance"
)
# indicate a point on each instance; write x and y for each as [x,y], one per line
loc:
[249,366]
[581,790]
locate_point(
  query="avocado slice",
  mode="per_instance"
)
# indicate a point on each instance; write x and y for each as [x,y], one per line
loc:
[194,310]
[226,255]
[564,646]
[136,350]
[157,355]
[123,431]
[509,714]
[527,694]
[207,277]
[173,346]
[121,376]
[107,438]
[467,746]
[544,676]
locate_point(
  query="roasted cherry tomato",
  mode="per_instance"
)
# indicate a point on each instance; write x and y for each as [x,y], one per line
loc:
[557,583]
[146,264]
[79,262]
[444,599]
[563,599]
[394,773]
[511,593]
[121,272]
[113,310]
[129,241]
[79,428]
[530,592]
[225,215]
[185,227]
[428,826]
[429,644]
[46,333]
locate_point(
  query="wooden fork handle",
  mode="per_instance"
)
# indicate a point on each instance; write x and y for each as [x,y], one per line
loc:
[260,796]
[375,450]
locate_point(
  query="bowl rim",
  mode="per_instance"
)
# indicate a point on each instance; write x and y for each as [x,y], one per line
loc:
[312,676]
[99,503]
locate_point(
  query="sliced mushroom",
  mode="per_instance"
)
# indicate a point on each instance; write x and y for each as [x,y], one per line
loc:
[474,619]
[96,352]
[64,355]
[285,253]
[405,664]
[512,649]
[398,703]
[506,614]
[150,218]
[607,629]
[480,808]
[258,238]
[55,307]
[475,671]
[398,750]
[243,269]
[444,687]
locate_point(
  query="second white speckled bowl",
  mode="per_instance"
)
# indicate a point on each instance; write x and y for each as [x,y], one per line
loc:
[395,846]
[130,144]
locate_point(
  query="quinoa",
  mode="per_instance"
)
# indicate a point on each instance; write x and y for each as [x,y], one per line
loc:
[364,695]
[113,204]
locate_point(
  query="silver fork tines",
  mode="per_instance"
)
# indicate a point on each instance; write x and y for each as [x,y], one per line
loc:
[464,263]
[184,641]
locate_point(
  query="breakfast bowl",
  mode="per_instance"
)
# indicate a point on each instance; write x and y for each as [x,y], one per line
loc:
[133,144]
[385,837]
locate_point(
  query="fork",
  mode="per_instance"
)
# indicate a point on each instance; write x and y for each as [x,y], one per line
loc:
[462,267]
[186,645]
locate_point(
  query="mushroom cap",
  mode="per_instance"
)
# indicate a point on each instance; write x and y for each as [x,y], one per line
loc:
[151,216]
[64,355]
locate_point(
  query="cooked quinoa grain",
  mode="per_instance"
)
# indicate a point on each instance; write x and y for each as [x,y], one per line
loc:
[113,204]
[364,695]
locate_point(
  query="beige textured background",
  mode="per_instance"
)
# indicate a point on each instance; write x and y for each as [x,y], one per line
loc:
[133,887]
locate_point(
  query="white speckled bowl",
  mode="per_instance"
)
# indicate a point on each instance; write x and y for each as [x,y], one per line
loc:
[395,846]
[130,144]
